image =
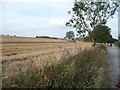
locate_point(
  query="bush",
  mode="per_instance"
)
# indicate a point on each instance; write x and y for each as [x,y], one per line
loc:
[117,44]
[84,70]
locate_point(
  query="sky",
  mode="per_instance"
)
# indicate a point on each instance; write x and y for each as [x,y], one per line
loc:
[30,18]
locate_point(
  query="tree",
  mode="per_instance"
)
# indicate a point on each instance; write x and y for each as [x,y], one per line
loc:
[101,34]
[114,40]
[86,15]
[119,37]
[87,38]
[70,35]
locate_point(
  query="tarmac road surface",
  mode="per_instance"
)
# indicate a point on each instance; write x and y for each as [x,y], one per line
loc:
[114,63]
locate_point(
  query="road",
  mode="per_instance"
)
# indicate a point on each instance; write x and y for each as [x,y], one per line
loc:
[113,58]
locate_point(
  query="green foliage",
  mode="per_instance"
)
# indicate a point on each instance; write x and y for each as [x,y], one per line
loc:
[87,15]
[119,37]
[42,37]
[46,37]
[114,40]
[101,34]
[70,34]
[76,71]
[88,38]
[90,68]
[117,44]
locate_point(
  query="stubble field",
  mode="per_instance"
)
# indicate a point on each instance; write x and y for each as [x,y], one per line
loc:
[19,52]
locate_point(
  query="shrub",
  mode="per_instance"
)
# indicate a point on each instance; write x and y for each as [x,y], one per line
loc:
[117,44]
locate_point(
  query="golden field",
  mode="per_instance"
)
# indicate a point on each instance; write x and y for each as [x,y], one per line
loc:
[19,52]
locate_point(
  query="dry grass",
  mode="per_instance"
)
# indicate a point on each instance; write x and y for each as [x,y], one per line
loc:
[103,47]
[18,52]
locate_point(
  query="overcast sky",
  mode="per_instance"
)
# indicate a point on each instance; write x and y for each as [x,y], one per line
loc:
[40,17]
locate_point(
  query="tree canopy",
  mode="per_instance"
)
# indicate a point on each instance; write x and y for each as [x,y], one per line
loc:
[70,34]
[101,34]
[119,37]
[86,15]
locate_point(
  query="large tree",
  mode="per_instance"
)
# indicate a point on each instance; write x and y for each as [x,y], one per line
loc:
[70,35]
[119,37]
[86,15]
[101,34]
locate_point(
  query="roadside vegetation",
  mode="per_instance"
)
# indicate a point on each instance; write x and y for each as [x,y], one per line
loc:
[117,44]
[86,69]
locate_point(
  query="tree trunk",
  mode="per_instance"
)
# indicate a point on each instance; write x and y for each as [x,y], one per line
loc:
[94,43]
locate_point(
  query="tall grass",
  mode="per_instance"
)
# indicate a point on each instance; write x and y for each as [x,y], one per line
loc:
[87,69]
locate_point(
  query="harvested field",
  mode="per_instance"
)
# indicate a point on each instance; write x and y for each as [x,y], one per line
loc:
[19,52]
[14,39]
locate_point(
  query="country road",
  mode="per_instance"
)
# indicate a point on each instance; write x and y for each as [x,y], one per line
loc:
[113,57]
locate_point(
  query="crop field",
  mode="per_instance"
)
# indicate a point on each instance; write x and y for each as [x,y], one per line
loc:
[19,52]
